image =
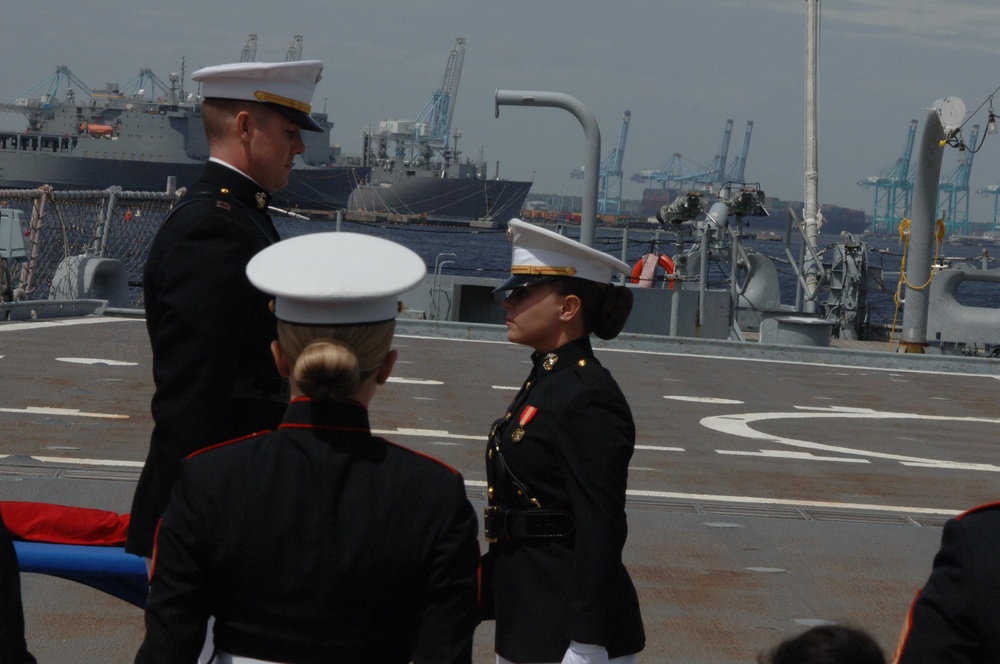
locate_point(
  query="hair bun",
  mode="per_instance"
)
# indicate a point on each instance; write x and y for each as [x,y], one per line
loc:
[614,313]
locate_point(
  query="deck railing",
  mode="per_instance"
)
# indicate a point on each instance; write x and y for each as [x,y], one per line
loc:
[110,223]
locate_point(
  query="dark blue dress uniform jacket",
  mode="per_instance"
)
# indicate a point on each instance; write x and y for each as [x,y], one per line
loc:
[573,457]
[210,331]
[956,617]
[316,543]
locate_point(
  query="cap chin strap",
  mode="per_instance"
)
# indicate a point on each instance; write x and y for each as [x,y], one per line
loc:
[272,98]
[542,270]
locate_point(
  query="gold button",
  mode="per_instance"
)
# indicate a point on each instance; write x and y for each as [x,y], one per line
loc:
[507,416]
[582,363]
[490,493]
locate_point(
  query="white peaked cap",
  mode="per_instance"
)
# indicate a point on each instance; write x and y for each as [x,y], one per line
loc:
[286,85]
[336,278]
[541,254]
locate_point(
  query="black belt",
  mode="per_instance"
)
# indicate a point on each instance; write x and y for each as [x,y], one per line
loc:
[502,525]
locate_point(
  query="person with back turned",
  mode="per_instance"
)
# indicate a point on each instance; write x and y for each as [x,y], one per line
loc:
[557,466]
[956,616]
[320,542]
[208,326]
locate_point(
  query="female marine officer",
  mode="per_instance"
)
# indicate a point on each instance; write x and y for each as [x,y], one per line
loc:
[557,466]
[319,542]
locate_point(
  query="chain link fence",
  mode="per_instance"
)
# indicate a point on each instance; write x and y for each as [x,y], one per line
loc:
[56,225]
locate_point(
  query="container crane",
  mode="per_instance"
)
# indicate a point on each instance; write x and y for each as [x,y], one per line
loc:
[666,173]
[611,172]
[427,136]
[249,49]
[673,173]
[295,50]
[994,191]
[735,171]
[893,189]
[953,190]
[715,171]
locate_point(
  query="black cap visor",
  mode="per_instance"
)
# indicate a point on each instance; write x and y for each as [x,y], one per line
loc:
[303,120]
[519,280]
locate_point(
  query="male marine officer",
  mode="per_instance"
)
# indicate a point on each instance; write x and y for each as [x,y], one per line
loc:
[210,329]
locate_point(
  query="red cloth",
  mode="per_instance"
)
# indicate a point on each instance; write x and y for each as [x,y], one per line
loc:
[62,524]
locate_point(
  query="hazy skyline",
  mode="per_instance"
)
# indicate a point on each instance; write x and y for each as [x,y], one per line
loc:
[682,68]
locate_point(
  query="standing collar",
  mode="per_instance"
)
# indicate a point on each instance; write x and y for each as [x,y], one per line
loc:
[247,190]
[304,412]
[564,356]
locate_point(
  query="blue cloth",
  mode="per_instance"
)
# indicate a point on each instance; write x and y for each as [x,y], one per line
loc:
[106,568]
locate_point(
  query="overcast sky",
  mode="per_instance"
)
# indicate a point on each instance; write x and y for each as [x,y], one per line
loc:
[682,67]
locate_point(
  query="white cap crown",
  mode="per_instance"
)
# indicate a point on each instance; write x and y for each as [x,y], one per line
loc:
[336,278]
[539,253]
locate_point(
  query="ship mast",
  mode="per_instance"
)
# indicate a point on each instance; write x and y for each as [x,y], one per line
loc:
[811,178]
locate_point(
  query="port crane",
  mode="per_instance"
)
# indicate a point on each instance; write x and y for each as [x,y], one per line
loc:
[295,50]
[953,190]
[736,169]
[893,188]
[994,191]
[249,49]
[715,169]
[426,137]
[674,175]
[611,172]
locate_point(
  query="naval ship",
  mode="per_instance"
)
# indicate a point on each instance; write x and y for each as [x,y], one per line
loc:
[417,168]
[139,135]
[437,188]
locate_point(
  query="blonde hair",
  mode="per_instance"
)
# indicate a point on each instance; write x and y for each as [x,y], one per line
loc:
[331,362]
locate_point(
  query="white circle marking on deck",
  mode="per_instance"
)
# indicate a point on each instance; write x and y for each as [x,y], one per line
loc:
[739,424]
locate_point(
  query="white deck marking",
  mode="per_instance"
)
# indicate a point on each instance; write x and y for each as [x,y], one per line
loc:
[68,412]
[424,433]
[759,500]
[659,449]
[414,381]
[505,387]
[712,400]
[636,493]
[95,360]
[66,322]
[739,425]
[80,462]
[788,454]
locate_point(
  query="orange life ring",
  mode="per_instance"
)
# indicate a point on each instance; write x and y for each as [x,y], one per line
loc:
[664,261]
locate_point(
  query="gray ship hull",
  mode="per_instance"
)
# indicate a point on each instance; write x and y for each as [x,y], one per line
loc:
[443,198]
[122,140]
[320,188]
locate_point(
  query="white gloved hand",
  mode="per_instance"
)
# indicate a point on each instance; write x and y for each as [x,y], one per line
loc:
[585,653]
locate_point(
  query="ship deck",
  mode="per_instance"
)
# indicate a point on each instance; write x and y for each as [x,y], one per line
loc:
[769,491]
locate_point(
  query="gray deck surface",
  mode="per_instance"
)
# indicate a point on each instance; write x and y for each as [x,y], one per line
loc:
[768,491]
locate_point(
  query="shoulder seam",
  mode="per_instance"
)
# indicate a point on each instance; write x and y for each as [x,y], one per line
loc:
[226,443]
